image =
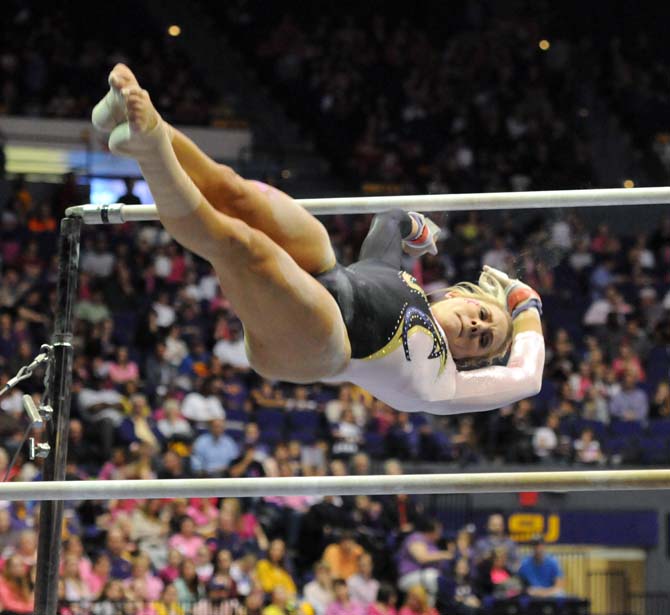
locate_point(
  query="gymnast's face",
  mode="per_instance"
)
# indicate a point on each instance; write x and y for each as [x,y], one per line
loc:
[474,328]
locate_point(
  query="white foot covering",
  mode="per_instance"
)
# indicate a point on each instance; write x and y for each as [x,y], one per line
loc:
[110,111]
[173,190]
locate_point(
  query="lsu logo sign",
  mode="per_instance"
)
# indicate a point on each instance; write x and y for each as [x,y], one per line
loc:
[523,527]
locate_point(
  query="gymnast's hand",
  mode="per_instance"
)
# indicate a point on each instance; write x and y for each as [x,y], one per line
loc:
[423,238]
[520,297]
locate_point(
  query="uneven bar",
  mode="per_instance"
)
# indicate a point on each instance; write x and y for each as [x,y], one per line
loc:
[118,213]
[503,482]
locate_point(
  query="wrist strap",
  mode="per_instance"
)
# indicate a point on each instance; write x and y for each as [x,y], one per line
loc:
[518,293]
[531,303]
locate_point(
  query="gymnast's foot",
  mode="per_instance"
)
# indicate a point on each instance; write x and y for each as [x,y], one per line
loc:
[110,111]
[144,128]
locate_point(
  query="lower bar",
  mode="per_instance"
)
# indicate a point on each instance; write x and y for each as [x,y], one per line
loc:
[503,482]
[118,213]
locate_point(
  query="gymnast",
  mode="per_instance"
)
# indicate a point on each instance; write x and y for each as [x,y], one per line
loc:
[306,318]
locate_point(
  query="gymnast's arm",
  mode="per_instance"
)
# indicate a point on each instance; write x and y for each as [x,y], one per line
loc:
[492,387]
[397,232]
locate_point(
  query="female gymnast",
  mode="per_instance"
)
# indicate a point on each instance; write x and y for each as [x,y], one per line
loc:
[306,318]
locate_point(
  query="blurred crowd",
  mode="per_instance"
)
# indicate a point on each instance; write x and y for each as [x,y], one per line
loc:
[161,384]
[162,388]
[53,64]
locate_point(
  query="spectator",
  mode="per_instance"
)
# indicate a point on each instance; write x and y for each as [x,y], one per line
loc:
[496,577]
[223,560]
[496,537]
[214,451]
[76,589]
[139,426]
[168,604]
[631,404]
[541,573]
[419,559]
[281,603]
[186,541]
[343,604]
[116,551]
[99,575]
[417,602]
[343,556]
[189,587]
[123,370]
[319,591]
[220,599]
[386,601]
[173,426]
[271,571]
[363,587]
[203,406]
[129,197]
[545,439]
[141,570]
[244,574]
[660,403]
[16,595]
[461,595]
[112,599]
[587,448]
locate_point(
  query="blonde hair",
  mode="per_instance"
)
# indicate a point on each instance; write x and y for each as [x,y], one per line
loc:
[489,290]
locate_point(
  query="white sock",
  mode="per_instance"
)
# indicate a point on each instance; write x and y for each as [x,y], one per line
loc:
[173,190]
[109,112]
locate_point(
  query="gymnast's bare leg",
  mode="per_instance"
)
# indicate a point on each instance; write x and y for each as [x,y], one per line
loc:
[294,329]
[263,207]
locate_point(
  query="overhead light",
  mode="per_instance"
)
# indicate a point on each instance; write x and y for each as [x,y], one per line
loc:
[544,44]
[628,183]
[174,30]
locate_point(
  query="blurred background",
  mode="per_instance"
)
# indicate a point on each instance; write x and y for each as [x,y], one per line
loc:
[337,99]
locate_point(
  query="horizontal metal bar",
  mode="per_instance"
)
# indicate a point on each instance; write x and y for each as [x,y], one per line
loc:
[118,213]
[504,482]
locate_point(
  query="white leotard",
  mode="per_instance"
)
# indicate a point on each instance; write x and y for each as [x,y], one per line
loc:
[435,385]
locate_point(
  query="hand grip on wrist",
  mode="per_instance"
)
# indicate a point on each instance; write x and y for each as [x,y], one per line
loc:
[424,239]
[519,296]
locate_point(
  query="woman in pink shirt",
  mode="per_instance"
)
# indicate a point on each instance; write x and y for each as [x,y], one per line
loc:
[141,570]
[99,574]
[186,541]
[16,594]
[123,369]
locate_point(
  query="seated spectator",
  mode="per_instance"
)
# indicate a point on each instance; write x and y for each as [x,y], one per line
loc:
[170,571]
[343,556]
[141,569]
[541,573]
[587,448]
[246,525]
[461,595]
[545,439]
[99,574]
[244,574]
[253,603]
[347,435]
[122,369]
[419,559]
[186,541]
[281,603]
[213,451]
[139,426]
[594,406]
[75,587]
[219,598]
[400,512]
[205,514]
[202,405]
[496,578]
[385,604]
[632,403]
[272,572]
[112,599]
[267,396]
[363,587]
[660,403]
[627,361]
[343,604]
[115,548]
[417,602]
[168,603]
[173,465]
[74,547]
[319,591]
[173,426]
[149,528]
[254,455]
[223,560]
[16,595]
[189,587]
[496,537]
